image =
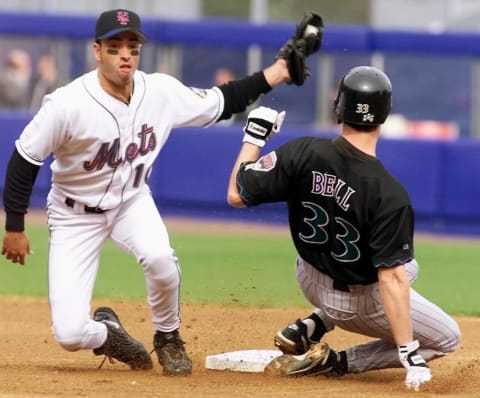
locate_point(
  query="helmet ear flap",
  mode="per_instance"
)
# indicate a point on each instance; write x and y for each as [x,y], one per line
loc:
[337,108]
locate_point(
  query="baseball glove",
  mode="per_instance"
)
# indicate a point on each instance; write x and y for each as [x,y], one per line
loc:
[306,40]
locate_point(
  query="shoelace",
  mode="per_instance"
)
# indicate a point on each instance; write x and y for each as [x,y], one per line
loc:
[110,359]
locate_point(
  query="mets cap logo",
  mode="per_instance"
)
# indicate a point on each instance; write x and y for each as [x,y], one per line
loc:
[123,18]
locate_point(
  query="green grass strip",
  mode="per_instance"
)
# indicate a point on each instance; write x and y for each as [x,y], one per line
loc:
[251,270]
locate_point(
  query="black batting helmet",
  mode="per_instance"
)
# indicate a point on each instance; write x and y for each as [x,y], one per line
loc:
[364,96]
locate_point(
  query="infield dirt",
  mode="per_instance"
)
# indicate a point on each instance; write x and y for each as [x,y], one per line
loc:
[33,365]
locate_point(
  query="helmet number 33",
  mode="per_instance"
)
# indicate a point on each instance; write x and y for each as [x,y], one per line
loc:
[363,108]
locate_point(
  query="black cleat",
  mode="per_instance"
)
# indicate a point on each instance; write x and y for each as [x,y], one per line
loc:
[293,339]
[119,344]
[171,353]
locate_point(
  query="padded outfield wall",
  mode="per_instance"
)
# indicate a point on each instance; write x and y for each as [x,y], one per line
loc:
[191,174]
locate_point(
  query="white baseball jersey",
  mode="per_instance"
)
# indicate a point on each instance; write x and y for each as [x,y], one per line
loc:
[104,149]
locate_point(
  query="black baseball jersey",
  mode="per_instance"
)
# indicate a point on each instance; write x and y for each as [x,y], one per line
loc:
[348,215]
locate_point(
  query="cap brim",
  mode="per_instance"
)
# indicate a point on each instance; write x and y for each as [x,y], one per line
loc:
[114,32]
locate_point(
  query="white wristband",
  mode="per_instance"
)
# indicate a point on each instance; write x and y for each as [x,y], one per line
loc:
[252,140]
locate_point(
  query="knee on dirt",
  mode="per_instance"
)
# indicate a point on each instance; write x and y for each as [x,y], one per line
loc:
[70,335]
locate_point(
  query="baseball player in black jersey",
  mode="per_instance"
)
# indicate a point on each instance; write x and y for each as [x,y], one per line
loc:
[352,224]
[105,130]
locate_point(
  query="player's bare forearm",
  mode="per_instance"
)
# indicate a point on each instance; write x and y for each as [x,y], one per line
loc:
[277,73]
[248,152]
[395,295]
[15,247]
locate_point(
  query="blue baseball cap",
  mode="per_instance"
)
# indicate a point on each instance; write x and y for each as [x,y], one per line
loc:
[111,23]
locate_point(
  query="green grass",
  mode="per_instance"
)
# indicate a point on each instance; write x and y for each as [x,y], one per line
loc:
[248,270]
[254,271]
[449,275]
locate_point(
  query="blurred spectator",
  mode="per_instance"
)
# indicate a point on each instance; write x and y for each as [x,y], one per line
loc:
[45,81]
[222,76]
[15,80]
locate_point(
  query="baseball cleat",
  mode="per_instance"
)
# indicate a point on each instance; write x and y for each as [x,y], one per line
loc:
[320,359]
[293,339]
[171,353]
[119,344]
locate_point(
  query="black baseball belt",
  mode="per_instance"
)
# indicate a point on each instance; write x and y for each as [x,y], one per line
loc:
[88,209]
[343,287]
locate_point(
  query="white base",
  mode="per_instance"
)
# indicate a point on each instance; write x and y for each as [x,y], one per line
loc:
[241,361]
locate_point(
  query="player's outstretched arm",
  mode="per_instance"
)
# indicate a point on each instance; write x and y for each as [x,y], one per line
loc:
[262,123]
[306,41]
[289,67]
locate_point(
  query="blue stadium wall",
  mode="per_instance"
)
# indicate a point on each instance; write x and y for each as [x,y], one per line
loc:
[191,174]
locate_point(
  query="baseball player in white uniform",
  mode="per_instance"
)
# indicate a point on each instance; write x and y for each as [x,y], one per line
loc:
[105,130]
